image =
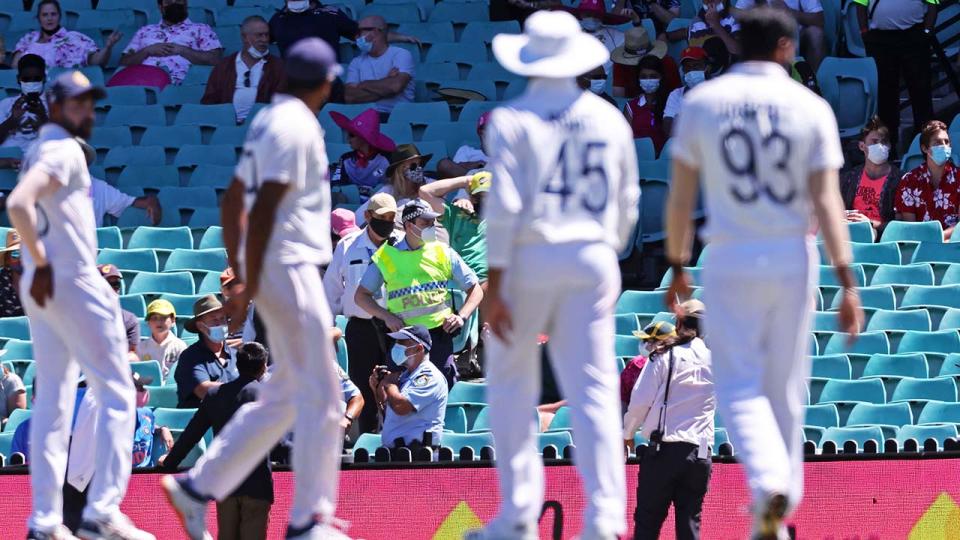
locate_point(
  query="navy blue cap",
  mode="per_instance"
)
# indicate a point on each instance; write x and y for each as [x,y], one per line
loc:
[311,59]
[417,208]
[73,84]
[417,333]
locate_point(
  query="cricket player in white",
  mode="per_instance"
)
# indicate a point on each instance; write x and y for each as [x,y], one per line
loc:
[767,151]
[564,201]
[276,219]
[74,320]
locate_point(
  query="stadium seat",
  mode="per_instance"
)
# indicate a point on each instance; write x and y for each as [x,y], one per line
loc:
[887,366]
[194,114]
[369,442]
[559,439]
[627,346]
[824,415]
[831,366]
[867,343]
[561,421]
[106,137]
[109,237]
[950,320]
[125,95]
[851,31]
[911,274]
[916,389]
[693,272]
[904,231]
[939,412]
[458,53]
[881,297]
[887,416]
[941,341]
[483,32]
[159,283]
[890,320]
[626,324]
[183,303]
[161,238]
[122,156]
[150,368]
[641,302]
[134,303]
[163,396]
[191,155]
[825,321]
[861,231]
[937,253]
[420,113]
[455,134]
[18,349]
[828,276]
[850,86]
[951,276]
[204,217]
[143,260]
[473,109]
[29,374]
[197,259]
[210,284]
[455,419]
[946,296]
[230,135]
[154,177]
[840,391]
[921,433]
[17,417]
[6,443]
[428,32]
[458,12]
[171,136]
[172,418]
[879,253]
[136,115]
[199,74]
[467,393]
[15,327]
[860,435]
[179,94]
[457,441]
[215,176]
[212,238]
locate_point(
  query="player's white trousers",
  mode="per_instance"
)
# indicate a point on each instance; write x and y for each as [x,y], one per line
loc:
[79,329]
[301,394]
[759,300]
[567,291]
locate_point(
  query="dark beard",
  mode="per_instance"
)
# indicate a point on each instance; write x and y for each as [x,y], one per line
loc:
[84,130]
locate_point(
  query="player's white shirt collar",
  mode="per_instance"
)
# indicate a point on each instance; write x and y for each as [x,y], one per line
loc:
[759,67]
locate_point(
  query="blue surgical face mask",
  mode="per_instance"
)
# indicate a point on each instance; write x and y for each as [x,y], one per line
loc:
[649,86]
[398,354]
[693,78]
[364,44]
[940,154]
[217,333]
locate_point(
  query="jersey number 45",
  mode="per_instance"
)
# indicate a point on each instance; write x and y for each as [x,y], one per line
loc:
[579,176]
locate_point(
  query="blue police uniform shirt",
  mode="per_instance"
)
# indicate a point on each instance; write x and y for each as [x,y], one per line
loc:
[426,389]
[143,438]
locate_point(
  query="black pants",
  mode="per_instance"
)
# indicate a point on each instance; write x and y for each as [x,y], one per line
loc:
[674,475]
[441,354]
[367,346]
[901,53]
[74,501]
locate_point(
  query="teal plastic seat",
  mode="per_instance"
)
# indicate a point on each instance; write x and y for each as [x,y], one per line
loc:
[939,412]
[163,396]
[866,343]
[172,418]
[487,89]
[122,156]
[626,324]
[831,366]
[828,275]
[860,435]
[171,136]
[204,217]
[626,345]
[369,442]
[210,284]
[457,12]
[17,417]
[143,260]
[951,276]
[29,375]
[395,13]
[941,341]
[640,302]
[147,176]
[939,433]
[125,95]
[824,415]
[455,419]
[905,231]
[825,321]
[182,303]
[561,421]
[208,175]
[175,94]
[193,114]
[191,155]
[159,283]
[473,109]
[136,115]
[950,320]
[15,327]
[458,53]
[455,134]
[693,272]
[6,443]
[230,135]
[914,389]
[851,30]
[865,390]
[102,18]
[849,85]
[134,303]
[491,71]
[109,237]
[428,32]
[911,274]
[483,31]
[913,319]
[888,416]
[437,71]
[946,296]
[161,238]
[559,440]
[467,393]
[18,349]
[212,238]
[188,197]
[198,74]
[881,297]
[420,113]
[150,368]
[457,441]
[936,252]
[880,253]
[107,137]
[861,231]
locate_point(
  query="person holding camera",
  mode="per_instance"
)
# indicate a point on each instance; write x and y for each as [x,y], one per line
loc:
[24,114]
[674,404]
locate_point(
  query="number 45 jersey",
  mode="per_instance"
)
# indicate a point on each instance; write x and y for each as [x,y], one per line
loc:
[564,170]
[756,135]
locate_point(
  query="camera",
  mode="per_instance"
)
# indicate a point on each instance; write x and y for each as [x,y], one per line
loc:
[654,446]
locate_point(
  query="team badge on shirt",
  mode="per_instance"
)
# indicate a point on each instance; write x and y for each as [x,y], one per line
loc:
[422,380]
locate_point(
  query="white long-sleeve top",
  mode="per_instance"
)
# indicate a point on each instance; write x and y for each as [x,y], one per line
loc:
[564,170]
[692,404]
[350,260]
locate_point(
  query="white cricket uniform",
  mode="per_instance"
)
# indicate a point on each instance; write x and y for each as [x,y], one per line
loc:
[564,201]
[285,145]
[757,135]
[79,328]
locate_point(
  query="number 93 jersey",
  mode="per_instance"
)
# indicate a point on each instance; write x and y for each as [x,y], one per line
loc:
[756,135]
[564,170]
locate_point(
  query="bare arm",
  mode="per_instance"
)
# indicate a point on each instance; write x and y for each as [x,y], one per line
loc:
[399,404]
[201,389]
[684,185]
[136,58]
[355,405]
[381,88]
[474,297]
[150,204]
[102,56]
[364,299]
[17,401]
[434,192]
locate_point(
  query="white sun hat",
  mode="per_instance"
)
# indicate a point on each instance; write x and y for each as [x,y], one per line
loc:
[552,46]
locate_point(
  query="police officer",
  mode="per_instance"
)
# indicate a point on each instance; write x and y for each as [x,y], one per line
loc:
[414,401]
[673,403]
[417,273]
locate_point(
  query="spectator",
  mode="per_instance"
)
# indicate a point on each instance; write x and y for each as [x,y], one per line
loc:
[714,19]
[24,114]
[413,401]
[897,35]
[251,75]
[13,394]
[595,21]
[130,322]
[930,192]
[353,401]
[810,20]
[595,81]
[869,190]
[661,12]
[382,74]
[244,514]
[418,272]
[11,268]
[636,46]
[365,335]
[60,47]
[467,228]
[651,335]
[406,176]
[366,163]
[174,44]
[162,345]
[719,59]
[343,223]
[674,404]
[693,64]
[645,113]
[253,328]
[467,159]
[206,364]
[110,200]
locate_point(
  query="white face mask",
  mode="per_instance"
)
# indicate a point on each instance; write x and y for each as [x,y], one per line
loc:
[428,234]
[257,54]
[649,86]
[878,153]
[31,87]
[298,6]
[693,78]
[597,86]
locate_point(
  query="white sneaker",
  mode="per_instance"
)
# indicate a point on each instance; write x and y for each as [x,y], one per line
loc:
[60,533]
[119,527]
[495,531]
[192,512]
[768,524]
[319,531]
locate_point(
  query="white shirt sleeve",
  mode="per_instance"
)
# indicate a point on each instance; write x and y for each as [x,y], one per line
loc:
[333,280]
[674,100]
[504,203]
[642,397]
[114,200]
[82,460]
[825,153]
[55,161]
[686,133]
[353,71]
[288,154]
[403,61]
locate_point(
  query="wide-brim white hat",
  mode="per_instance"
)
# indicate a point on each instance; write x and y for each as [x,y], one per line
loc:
[552,46]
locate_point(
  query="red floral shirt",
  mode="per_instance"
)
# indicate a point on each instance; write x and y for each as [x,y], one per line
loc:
[917,196]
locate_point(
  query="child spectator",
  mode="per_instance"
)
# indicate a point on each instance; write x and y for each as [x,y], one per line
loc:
[162,345]
[365,165]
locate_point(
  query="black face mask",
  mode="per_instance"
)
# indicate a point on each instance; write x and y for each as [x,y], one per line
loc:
[175,13]
[381,227]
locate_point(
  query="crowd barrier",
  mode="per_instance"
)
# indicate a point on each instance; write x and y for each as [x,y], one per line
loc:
[863,499]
